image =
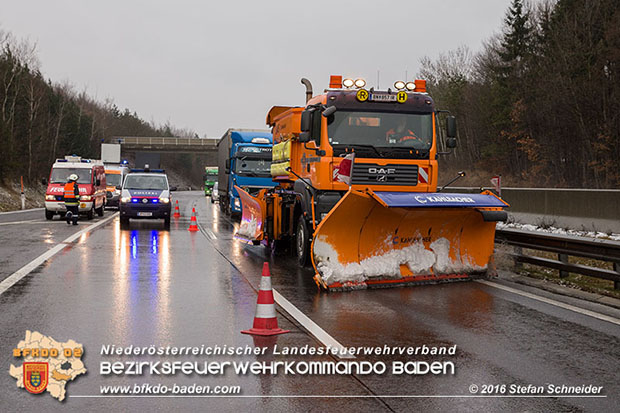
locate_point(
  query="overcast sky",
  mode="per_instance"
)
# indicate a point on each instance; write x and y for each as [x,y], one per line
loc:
[208,66]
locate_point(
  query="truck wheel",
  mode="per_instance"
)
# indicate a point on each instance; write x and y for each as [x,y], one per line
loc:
[302,244]
[91,214]
[49,214]
[212,200]
[124,222]
[167,223]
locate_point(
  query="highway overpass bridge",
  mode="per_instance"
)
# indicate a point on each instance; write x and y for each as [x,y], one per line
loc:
[165,144]
[150,149]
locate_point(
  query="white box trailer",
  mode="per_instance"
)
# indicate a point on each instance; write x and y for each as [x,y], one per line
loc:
[111,153]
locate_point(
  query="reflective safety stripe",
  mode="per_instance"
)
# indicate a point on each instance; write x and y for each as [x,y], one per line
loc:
[265,283]
[265,311]
[423,175]
[69,190]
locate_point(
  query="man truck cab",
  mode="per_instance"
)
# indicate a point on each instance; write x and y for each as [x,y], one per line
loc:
[244,160]
[91,183]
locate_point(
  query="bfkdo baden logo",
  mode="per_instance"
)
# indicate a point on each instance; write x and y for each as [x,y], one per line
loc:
[47,364]
[35,377]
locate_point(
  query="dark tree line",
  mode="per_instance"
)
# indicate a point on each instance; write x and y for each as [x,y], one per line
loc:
[41,121]
[541,103]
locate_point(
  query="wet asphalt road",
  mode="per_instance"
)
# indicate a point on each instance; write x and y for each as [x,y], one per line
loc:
[148,286]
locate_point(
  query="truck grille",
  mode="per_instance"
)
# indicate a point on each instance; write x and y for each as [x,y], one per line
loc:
[390,174]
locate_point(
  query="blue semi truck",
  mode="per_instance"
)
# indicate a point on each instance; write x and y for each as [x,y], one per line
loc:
[244,159]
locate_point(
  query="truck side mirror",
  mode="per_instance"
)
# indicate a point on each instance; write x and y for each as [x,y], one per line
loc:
[451,143]
[304,137]
[306,120]
[227,169]
[173,188]
[44,181]
[451,127]
[330,110]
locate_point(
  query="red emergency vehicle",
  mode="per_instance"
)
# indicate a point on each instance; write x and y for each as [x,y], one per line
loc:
[91,182]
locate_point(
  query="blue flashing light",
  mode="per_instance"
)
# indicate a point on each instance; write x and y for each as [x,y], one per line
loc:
[148,170]
[134,200]
[155,201]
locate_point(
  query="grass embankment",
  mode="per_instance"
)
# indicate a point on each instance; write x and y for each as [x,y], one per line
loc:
[10,196]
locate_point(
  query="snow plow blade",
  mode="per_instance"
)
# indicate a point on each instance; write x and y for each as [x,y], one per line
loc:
[384,239]
[252,218]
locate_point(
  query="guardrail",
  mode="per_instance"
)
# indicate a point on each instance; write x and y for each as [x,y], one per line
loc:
[564,246]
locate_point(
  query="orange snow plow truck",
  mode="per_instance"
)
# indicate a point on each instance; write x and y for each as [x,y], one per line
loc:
[357,191]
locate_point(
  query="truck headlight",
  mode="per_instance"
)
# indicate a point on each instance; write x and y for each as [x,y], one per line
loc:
[126,199]
[50,197]
[164,200]
[117,192]
[237,203]
[86,197]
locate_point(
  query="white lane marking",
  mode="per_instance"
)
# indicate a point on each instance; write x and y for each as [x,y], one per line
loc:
[27,269]
[34,221]
[22,210]
[20,222]
[210,234]
[311,326]
[553,302]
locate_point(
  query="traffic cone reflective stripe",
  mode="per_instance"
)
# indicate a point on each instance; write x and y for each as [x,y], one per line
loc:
[193,225]
[265,321]
[176,210]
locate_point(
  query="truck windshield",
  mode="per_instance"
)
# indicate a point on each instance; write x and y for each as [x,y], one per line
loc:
[376,129]
[253,166]
[60,175]
[113,179]
[145,182]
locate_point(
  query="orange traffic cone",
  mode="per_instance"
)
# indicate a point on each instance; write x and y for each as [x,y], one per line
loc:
[176,210]
[265,321]
[192,223]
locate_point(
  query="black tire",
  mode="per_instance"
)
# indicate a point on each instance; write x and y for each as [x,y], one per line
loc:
[49,214]
[91,214]
[279,246]
[124,222]
[302,242]
[167,223]
[212,200]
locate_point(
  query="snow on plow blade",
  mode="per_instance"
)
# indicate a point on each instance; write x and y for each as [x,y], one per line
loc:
[251,227]
[389,238]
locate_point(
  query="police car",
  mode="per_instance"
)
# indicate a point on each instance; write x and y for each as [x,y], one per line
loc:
[145,194]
